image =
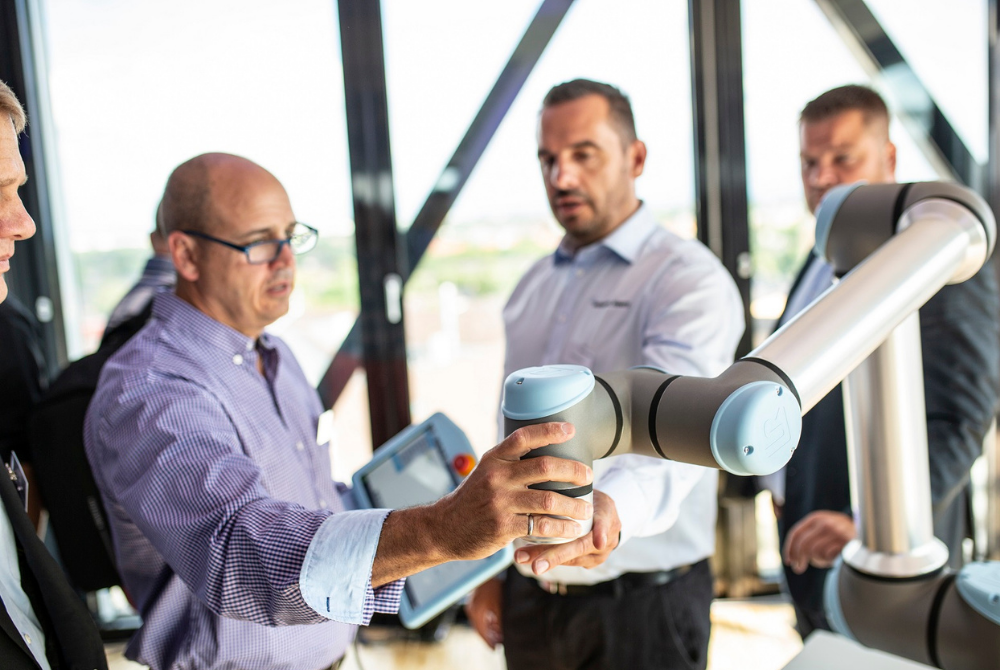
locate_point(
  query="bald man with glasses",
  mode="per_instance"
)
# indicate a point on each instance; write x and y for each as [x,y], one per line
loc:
[230,534]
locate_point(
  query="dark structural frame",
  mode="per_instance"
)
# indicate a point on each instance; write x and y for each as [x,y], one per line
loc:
[378,252]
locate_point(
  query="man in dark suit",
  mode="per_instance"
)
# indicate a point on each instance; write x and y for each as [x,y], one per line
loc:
[844,138]
[43,623]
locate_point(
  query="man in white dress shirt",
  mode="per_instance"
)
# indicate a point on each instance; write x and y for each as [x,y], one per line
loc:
[619,291]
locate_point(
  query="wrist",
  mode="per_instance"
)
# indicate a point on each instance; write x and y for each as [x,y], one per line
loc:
[406,546]
[425,532]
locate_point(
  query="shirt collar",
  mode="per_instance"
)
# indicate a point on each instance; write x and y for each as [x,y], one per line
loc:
[625,241]
[161,267]
[200,327]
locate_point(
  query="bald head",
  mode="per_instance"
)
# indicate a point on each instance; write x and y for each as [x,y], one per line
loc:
[204,193]
[236,203]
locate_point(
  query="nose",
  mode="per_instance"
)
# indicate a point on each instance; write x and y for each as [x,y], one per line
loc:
[285,257]
[823,175]
[563,175]
[15,222]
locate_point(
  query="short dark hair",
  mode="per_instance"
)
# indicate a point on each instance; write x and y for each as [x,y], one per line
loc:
[845,99]
[618,103]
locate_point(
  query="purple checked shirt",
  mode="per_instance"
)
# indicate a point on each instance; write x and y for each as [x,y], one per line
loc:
[229,532]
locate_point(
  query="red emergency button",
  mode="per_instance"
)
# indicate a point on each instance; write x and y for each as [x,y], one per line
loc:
[463,463]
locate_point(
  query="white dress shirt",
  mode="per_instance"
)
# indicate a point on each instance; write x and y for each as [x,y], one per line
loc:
[14,598]
[640,296]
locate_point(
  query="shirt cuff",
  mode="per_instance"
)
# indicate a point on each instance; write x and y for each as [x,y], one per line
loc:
[336,575]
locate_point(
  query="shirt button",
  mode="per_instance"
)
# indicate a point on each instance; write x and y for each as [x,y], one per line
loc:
[249,346]
[562,318]
[322,504]
[299,445]
[237,359]
[579,272]
[27,638]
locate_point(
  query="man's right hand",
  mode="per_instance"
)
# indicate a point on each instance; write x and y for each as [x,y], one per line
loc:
[484,609]
[817,540]
[489,509]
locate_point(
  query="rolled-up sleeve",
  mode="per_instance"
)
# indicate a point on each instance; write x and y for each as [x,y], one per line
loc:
[347,539]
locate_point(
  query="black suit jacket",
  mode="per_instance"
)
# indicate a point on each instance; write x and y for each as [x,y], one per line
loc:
[72,640]
[960,336]
[22,371]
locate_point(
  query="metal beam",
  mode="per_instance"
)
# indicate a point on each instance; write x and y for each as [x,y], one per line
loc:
[376,237]
[909,98]
[454,176]
[33,276]
[993,102]
[720,141]
[991,449]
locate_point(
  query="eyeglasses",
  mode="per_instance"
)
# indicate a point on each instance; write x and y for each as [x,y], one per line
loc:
[302,239]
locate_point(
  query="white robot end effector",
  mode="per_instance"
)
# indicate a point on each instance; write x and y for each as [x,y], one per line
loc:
[746,421]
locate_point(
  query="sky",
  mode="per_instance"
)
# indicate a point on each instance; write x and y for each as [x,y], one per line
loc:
[138,87]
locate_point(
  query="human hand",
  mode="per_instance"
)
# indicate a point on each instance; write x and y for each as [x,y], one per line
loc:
[484,609]
[817,540]
[586,552]
[491,507]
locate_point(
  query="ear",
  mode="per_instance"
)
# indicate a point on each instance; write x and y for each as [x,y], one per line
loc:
[890,159]
[184,253]
[637,158]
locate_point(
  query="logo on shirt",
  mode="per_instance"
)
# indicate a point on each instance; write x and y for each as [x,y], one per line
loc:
[601,304]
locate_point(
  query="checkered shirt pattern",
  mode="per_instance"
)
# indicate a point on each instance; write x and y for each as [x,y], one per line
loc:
[215,487]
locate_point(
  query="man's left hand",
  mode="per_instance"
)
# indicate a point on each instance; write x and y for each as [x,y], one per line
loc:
[817,540]
[587,551]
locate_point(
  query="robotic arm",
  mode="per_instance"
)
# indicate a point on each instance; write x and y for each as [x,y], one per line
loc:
[893,246]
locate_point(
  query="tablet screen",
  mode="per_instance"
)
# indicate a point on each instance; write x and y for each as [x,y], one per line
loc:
[415,475]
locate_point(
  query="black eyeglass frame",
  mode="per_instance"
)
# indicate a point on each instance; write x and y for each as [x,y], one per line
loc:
[245,249]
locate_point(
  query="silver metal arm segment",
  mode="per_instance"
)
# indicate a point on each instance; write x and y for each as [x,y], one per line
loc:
[893,247]
[747,420]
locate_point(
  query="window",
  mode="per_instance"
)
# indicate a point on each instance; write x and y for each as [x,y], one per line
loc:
[167,81]
[791,54]
[501,222]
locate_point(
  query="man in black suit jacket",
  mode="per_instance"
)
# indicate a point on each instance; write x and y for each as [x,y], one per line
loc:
[844,138]
[43,623]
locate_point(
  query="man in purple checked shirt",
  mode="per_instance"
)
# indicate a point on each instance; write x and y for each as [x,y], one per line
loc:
[228,530]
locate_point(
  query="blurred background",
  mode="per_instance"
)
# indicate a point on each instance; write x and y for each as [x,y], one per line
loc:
[450,201]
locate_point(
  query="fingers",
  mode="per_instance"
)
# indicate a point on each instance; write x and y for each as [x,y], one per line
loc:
[526,438]
[545,557]
[483,608]
[817,540]
[532,501]
[551,469]
[796,543]
[546,526]
[824,554]
[607,525]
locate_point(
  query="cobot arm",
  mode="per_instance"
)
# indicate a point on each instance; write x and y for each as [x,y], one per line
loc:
[892,246]
[897,245]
